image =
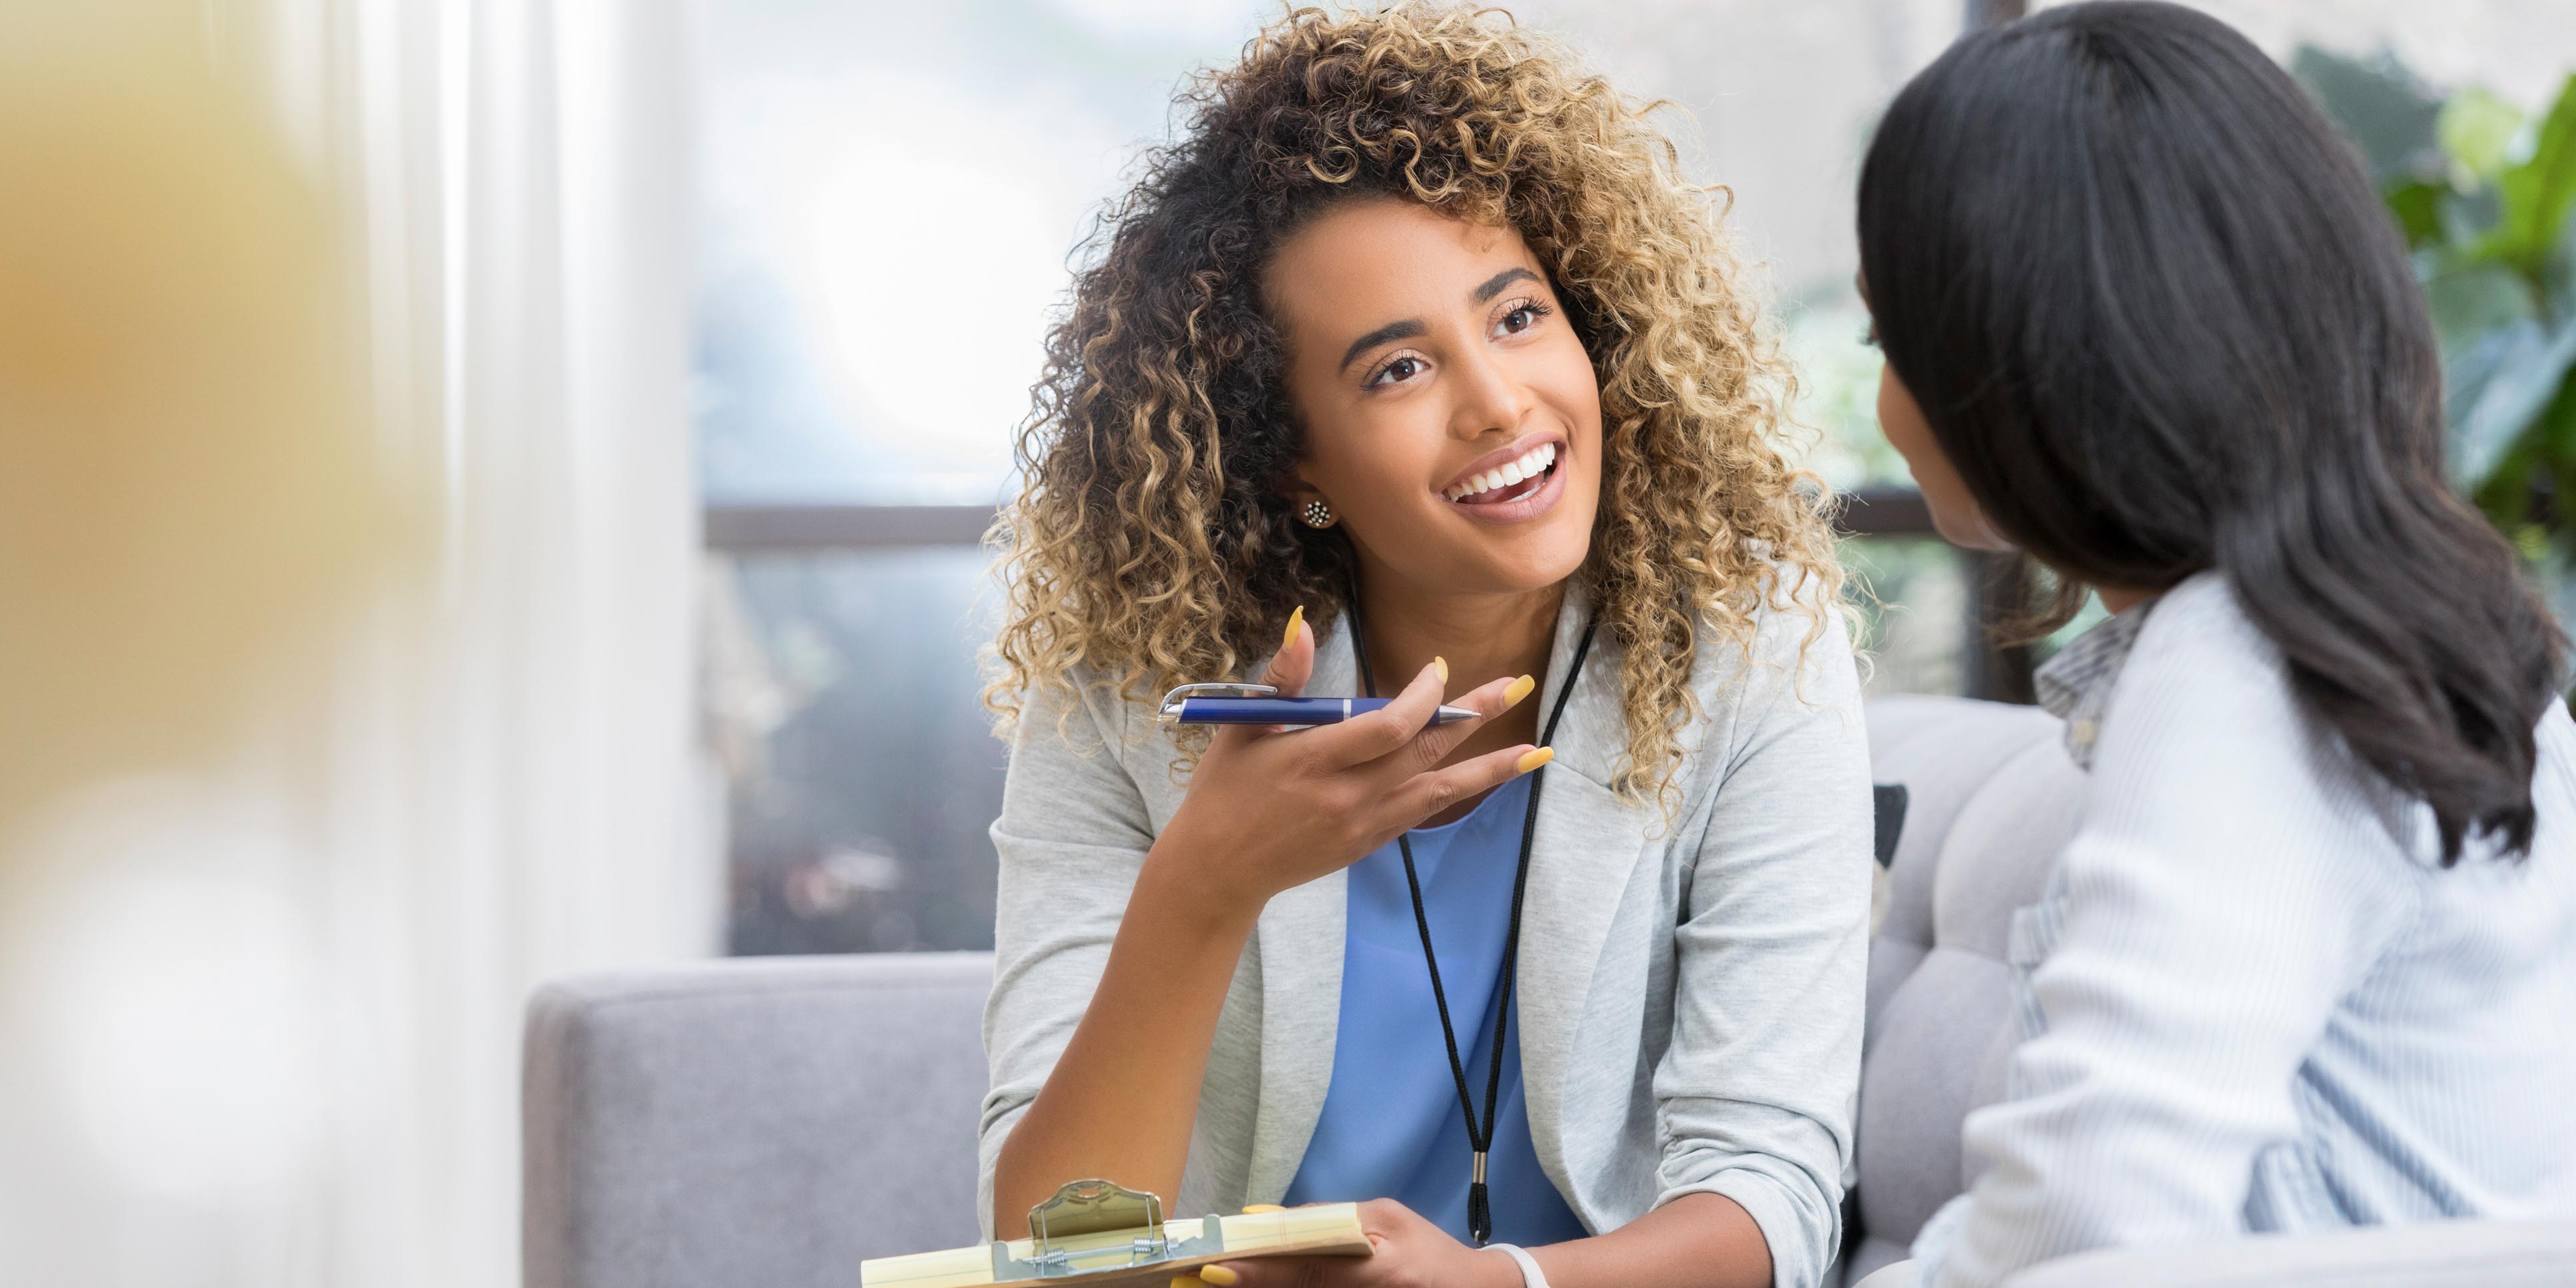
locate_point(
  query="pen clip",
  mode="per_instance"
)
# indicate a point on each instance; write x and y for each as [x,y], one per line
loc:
[1170,710]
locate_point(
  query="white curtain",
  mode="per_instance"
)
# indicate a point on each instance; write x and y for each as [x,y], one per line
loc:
[513,781]
[278,996]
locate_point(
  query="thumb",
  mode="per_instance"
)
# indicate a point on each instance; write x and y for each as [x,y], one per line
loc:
[1287,672]
[1291,666]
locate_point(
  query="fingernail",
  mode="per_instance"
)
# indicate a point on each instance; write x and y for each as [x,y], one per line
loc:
[1187,1281]
[1295,620]
[1440,667]
[1250,1209]
[1218,1275]
[1518,690]
[1532,759]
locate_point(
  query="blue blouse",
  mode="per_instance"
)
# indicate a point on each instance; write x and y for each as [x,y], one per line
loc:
[1391,1126]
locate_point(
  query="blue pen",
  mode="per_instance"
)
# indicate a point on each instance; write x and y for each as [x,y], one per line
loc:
[1260,704]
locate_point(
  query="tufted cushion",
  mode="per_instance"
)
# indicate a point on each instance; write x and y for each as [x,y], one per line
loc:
[1993,799]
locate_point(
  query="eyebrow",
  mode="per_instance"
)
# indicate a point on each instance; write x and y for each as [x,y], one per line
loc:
[1494,285]
[1412,327]
[1404,330]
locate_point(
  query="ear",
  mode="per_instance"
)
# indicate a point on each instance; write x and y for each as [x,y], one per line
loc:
[1291,484]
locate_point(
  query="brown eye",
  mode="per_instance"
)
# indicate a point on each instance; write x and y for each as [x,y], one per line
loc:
[1402,369]
[1523,315]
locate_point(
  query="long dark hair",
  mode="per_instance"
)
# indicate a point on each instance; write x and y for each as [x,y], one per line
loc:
[2155,314]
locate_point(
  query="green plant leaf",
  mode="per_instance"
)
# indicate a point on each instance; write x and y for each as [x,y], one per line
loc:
[2555,425]
[2382,108]
[2499,388]
[2418,208]
[2476,128]
[2558,276]
[2539,192]
[2468,218]
[2470,297]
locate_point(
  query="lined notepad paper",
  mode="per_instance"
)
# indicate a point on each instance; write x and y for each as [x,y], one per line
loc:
[1330,1229]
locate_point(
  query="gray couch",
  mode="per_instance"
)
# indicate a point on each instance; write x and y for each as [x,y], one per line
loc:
[772,1122]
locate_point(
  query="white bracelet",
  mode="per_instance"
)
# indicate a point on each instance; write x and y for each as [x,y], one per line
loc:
[1531,1275]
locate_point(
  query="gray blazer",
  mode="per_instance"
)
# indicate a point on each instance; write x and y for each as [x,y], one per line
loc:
[1689,992]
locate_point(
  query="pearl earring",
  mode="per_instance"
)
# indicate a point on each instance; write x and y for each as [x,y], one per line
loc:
[1318,515]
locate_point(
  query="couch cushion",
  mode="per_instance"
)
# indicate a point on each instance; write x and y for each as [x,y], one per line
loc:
[1992,800]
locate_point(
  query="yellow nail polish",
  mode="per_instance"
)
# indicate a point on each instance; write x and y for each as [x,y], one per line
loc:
[1295,620]
[1440,667]
[1250,1209]
[1187,1281]
[1518,690]
[1533,759]
[1218,1275]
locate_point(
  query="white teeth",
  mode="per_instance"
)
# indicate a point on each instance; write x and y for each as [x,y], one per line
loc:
[1530,465]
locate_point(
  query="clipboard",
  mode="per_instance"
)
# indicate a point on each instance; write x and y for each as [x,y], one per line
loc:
[1099,1234]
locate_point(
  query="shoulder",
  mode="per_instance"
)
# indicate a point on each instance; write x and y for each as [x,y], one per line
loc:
[1088,719]
[2202,618]
[2199,665]
[1789,665]
[1086,767]
[1795,632]
[1796,650]
[2215,810]
[2204,737]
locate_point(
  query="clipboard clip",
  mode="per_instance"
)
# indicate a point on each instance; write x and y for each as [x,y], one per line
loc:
[1095,1207]
[1170,710]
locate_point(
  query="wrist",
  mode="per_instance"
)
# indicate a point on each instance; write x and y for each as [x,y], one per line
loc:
[1504,1269]
[1182,888]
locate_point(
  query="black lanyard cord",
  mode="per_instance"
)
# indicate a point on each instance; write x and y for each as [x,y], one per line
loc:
[1480,1136]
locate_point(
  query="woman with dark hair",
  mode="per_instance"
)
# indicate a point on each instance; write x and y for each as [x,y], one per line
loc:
[1412,367]
[2310,959]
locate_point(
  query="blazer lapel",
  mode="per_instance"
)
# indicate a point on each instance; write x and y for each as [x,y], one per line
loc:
[1581,863]
[1301,989]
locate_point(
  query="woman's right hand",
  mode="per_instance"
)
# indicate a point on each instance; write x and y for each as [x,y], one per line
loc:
[1268,809]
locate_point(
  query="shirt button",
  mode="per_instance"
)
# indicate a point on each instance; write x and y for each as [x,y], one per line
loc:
[2084,731]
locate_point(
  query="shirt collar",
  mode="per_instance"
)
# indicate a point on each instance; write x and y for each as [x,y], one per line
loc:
[2075,685]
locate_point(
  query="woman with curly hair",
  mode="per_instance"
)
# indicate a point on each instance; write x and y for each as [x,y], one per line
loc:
[1412,369]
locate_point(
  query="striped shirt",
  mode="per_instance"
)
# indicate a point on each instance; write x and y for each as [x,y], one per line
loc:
[2250,999]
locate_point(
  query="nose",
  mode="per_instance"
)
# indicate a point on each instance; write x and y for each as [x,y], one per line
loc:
[1489,397]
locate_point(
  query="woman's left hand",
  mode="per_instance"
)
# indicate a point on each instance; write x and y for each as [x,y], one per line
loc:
[1411,1253]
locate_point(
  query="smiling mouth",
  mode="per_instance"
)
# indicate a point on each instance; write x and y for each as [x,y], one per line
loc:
[1509,481]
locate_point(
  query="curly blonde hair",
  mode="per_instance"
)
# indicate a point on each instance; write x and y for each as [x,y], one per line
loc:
[1151,543]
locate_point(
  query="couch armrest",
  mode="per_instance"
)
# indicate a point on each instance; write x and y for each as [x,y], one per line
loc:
[763,1121]
[2431,1254]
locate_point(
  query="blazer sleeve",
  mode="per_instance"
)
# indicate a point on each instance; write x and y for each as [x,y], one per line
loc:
[1757,1091]
[1072,834]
